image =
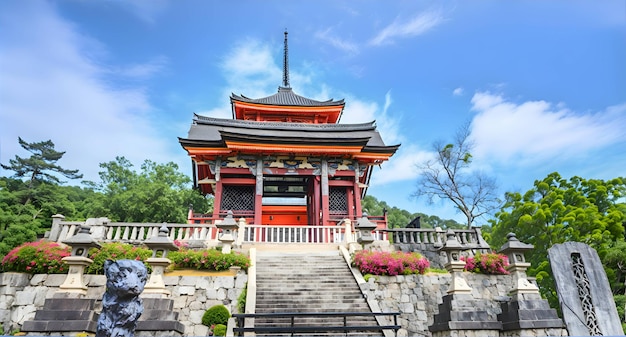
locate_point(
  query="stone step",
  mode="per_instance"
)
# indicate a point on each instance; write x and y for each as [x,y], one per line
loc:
[309,283]
[313,307]
[312,294]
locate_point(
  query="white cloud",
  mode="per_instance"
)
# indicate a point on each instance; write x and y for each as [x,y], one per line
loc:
[250,70]
[329,37]
[360,111]
[402,166]
[458,91]
[535,131]
[419,24]
[54,87]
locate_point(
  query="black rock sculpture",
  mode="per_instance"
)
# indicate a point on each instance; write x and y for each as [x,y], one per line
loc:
[121,305]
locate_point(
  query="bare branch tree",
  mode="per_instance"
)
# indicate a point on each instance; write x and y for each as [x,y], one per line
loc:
[448,177]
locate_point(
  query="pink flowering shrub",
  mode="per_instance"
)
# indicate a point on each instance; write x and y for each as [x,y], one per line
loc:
[181,244]
[396,263]
[208,259]
[39,257]
[487,263]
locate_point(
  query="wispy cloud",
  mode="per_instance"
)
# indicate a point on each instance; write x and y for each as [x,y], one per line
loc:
[458,91]
[142,70]
[417,25]
[329,36]
[534,131]
[54,88]
[146,10]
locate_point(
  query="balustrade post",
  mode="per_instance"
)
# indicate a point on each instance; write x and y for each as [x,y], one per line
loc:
[55,231]
[241,232]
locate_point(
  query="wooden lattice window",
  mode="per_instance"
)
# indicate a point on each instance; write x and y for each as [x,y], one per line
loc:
[338,200]
[237,198]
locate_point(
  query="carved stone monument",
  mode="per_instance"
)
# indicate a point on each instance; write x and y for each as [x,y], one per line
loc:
[121,304]
[584,293]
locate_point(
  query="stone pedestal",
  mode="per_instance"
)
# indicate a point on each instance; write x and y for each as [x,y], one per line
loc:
[525,313]
[74,280]
[155,284]
[64,315]
[459,316]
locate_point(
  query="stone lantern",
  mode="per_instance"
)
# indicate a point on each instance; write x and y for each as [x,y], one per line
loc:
[514,249]
[455,265]
[160,245]
[77,261]
[365,226]
[228,225]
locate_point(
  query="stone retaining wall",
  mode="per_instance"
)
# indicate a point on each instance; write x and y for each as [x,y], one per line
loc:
[417,296]
[21,295]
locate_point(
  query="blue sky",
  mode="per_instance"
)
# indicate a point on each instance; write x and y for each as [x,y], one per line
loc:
[543,83]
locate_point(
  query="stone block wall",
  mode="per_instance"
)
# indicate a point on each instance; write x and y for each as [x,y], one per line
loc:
[417,297]
[21,295]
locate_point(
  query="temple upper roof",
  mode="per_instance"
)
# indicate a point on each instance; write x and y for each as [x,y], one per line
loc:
[286,97]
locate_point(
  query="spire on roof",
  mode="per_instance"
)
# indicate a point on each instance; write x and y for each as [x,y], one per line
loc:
[286,64]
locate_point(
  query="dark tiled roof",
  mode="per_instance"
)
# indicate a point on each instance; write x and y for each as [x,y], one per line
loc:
[237,123]
[286,96]
[212,131]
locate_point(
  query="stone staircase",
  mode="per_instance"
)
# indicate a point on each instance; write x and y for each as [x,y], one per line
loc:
[319,282]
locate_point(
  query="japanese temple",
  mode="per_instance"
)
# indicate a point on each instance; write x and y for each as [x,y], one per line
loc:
[284,160]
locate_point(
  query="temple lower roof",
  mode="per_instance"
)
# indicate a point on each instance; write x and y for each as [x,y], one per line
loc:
[214,132]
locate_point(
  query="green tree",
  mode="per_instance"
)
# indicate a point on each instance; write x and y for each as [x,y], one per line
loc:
[158,193]
[557,210]
[40,167]
[448,177]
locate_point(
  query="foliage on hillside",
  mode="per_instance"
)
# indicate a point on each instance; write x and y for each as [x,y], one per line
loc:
[400,218]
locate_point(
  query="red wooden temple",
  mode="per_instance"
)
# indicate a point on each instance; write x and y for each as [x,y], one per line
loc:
[284,160]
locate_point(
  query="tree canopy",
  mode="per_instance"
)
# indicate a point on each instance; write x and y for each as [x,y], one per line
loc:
[158,193]
[557,210]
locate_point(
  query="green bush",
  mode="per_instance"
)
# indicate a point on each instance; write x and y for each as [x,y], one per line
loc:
[115,251]
[217,314]
[241,300]
[367,277]
[39,257]
[208,259]
[219,330]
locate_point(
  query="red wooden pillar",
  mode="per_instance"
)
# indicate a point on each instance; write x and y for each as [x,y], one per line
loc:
[217,201]
[315,201]
[217,189]
[258,194]
[357,194]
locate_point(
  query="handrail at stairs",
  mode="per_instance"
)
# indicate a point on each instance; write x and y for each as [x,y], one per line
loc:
[302,328]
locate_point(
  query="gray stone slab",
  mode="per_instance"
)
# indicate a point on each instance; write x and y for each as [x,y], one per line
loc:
[594,289]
